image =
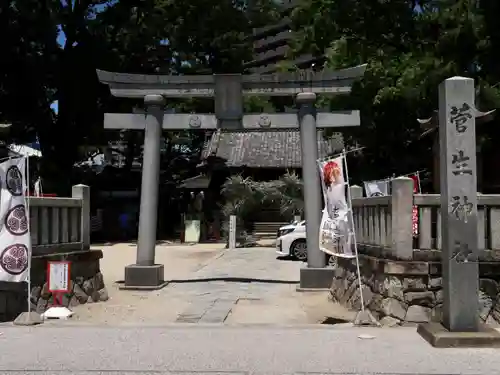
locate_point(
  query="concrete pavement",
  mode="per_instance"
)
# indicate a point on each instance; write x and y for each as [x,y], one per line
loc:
[249,320]
[235,279]
[204,349]
[209,284]
[140,307]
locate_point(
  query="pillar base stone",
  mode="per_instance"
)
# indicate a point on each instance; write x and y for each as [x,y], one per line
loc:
[315,279]
[31,318]
[138,277]
[439,337]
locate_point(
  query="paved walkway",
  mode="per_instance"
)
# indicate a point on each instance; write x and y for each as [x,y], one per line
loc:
[211,350]
[209,284]
[235,282]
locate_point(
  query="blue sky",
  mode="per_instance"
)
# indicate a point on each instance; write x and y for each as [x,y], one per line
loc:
[61,38]
[55,106]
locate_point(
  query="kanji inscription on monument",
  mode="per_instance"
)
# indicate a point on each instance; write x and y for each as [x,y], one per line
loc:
[459,204]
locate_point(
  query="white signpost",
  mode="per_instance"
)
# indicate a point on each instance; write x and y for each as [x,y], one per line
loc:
[232,232]
[58,280]
[58,277]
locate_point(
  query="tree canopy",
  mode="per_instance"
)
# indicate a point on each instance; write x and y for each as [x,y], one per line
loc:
[410,46]
[51,48]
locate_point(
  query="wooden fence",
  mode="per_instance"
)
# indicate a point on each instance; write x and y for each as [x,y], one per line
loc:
[60,225]
[386,222]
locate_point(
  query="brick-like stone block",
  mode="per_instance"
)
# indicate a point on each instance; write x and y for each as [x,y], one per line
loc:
[406,294]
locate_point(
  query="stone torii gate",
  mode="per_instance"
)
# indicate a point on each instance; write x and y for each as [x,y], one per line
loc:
[227,91]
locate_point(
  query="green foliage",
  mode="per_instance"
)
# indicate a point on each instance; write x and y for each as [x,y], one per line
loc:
[410,47]
[28,46]
[50,50]
[244,196]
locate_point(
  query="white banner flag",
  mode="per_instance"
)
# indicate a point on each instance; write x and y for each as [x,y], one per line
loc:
[377,188]
[14,234]
[336,230]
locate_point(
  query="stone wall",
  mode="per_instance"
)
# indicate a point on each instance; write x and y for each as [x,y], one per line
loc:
[408,292]
[87,285]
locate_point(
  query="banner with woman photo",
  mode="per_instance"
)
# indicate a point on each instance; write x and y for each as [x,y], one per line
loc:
[336,235]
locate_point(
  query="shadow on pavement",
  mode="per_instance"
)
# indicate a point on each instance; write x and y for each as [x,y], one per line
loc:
[287,257]
[234,280]
[131,243]
[333,321]
[225,279]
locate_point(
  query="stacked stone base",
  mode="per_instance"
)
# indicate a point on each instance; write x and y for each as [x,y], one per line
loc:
[82,291]
[408,292]
[86,285]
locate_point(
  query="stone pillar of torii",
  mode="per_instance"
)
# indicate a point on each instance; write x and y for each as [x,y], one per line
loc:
[227,91]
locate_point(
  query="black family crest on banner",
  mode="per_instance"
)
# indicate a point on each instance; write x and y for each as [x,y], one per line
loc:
[14,233]
[14,181]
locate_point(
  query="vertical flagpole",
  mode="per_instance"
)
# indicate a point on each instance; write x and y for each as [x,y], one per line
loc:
[27,204]
[418,179]
[351,224]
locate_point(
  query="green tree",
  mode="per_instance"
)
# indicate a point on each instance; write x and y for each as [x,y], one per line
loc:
[29,46]
[50,50]
[47,56]
[410,47]
[173,37]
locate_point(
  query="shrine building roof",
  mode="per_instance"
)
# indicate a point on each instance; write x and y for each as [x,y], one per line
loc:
[266,149]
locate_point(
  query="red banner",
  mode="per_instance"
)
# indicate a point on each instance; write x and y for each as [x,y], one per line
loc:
[416,183]
[416,190]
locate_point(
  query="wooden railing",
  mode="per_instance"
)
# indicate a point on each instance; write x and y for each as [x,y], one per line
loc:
[385,223]
[60,225]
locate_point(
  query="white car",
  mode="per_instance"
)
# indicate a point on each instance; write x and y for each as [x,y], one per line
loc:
[291,241]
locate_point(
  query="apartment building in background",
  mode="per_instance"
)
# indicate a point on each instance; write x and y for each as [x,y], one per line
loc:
[271,45]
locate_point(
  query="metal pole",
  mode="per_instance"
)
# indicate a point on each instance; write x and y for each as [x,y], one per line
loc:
[150,180]
[310,176]
[28,216]
[353,229]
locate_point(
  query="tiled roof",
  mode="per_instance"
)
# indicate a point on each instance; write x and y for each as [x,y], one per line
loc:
[265,149]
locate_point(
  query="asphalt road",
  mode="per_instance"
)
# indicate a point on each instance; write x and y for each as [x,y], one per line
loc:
[204,349]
